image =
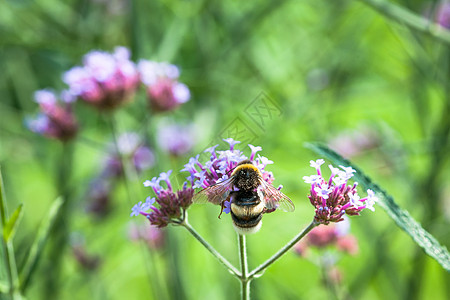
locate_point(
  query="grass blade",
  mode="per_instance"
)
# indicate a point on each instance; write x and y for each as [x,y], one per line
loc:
[7,247]
[39,243]
[11,225]
[3,207]
[400,216]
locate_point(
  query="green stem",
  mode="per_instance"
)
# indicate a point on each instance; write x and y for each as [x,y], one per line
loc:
[282,251]
[245,281]
[130,175]
[174,280]
[210,248]
[326,280]
[127,174]
[11,267]
[404,16]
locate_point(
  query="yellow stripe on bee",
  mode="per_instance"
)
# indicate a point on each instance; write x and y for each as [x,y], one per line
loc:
[247,166]
[247,211]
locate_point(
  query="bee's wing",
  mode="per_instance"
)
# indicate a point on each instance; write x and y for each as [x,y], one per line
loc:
[275,199]
[214,193]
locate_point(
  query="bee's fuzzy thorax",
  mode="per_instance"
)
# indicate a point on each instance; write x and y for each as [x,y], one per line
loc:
[246,176]
[246,166]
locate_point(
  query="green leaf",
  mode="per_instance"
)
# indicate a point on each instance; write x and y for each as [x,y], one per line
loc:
[3,207]
[401,217]
[39,243]
[11,225]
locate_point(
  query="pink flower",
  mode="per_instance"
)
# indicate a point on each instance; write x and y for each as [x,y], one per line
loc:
[164,90]
[334,197]
[330,236]
[105,80]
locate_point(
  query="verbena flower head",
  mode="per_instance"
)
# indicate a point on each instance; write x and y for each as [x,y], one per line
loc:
[335,197]
[221,164]
[176,139]
[164,90]
[171,205]
[130,147]
[56,119]
[105,80]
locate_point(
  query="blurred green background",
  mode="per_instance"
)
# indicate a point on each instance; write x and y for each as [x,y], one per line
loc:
[331,71]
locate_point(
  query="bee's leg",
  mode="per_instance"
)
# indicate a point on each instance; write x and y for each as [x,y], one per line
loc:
[268,211]
[222,205]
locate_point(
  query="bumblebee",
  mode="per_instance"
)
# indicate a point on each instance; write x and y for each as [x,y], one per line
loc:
[248,195]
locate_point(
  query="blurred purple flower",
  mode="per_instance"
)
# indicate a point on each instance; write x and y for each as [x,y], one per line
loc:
[105,80]
[129,147]
[352,142]
[85,260]
[98,197]
[333,198]
[164,90]
[176,139]
[143,158]
[443,14]
[56,119]
[333,235]
[152,235]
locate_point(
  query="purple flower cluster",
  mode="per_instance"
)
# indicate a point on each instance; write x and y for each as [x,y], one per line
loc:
[164,90]
[222,163]
[333,198]
[56,119]
[171,204]
[105,80]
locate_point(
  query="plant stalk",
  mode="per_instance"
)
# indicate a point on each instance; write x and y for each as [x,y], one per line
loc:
[130,175]
[245,281]
[403,16]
